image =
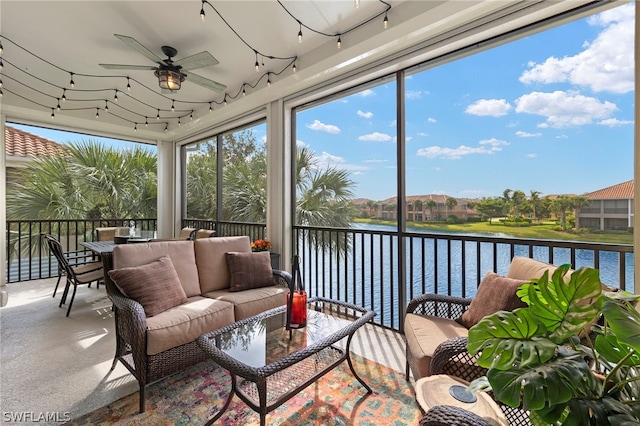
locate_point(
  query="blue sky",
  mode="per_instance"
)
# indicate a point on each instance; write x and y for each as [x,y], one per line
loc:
[552,112]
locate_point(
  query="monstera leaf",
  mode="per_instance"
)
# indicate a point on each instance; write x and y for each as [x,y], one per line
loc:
[624,321]
[509,339]
[551,384]
[565,306]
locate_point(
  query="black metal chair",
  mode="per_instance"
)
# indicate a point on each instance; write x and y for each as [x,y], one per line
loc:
[75,274]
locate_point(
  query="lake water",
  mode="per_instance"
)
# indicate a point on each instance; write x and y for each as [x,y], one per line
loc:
[368,274]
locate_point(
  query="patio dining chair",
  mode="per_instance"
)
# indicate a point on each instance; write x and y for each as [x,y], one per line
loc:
[75,274]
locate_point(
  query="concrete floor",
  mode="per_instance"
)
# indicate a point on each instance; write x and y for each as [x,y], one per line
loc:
[56,367]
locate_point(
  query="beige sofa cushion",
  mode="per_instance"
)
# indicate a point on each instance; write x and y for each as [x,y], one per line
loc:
[181,253]
[252,302]
[524,268]
[212,263]
[424,334]
[185,322]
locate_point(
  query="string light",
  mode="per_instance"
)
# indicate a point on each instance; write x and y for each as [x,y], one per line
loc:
[53,115]
[0,48]
[64,98]
[257,64]
[146,122]
[97,113]
[294,67]
[225,99]
[339,42]
[135,127]
[166,127]
[244,92]
[179,123]
[158,116]
[191,116]
[210,107]
[1,93]
[202,14]
[385,22]
[106,105]
[71,82]
[268,80]
[1,64]
[58,107]
[173,107]
[0,82]
[300,33]
[115,96]
[128,85]
[357,3]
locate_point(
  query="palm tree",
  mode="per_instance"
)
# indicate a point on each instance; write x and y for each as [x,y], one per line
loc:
[418,206]
[534,199]
[431,204]
[90,181]
[450,203]
[517,199]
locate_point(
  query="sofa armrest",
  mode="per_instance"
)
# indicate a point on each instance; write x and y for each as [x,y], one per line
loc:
[131,330]
[282,278]
[439,305]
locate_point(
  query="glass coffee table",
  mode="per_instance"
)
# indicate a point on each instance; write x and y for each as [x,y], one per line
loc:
[269,364]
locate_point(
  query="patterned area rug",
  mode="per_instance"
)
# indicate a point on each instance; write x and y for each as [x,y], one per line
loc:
[197,394]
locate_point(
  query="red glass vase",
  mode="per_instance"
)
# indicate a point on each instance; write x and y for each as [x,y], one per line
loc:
[298,306]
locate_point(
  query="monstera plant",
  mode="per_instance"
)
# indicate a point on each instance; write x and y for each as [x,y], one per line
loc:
[552,359]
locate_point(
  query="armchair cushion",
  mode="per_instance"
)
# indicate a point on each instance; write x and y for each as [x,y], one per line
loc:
[495,293]
[155,286]
[249,270]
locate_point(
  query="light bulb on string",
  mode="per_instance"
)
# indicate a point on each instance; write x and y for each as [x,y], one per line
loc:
[166,127]
[128,85]
[257,65]
[0,48]
[106,105]
[244,91]
[202,14]
[356,3]
[385,22]
[300,33]
[64,98]
[191,116]
[339,42]
[268,80]
[97,113]
[115,96]
[71,82]
[146,122]
[225,99]
[158,116]
[1,93]
[173,107]
[294,69]
[0,82]
[53,115]
[179,123]
[58,107]
[135,127]
[210,107]
[1,64]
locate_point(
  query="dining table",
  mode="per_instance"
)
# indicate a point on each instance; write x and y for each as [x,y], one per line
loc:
[104,249]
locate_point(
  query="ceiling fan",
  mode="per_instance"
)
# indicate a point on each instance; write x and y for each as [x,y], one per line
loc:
[171,73]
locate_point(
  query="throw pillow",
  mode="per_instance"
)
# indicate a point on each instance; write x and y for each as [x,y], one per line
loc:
[495,293]
[155,286]
[249,270]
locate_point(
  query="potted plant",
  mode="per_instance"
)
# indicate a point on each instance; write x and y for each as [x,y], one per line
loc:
[544,358]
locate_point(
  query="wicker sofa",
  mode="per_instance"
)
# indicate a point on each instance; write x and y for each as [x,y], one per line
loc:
[154,346]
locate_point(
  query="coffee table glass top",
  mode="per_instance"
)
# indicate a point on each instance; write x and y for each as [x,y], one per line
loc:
[261,341]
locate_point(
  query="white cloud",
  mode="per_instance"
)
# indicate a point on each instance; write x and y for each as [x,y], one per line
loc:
[431,120]
[532,155]
[301,144]
[490,107]
[375,136]
[423,134]
[606,64]
[614,122]
[495,143]
[487,146]
[522,134]
[415,94]
[322,127]
[363,114]
[564,109]
[366,93]
[329,160]
[375,161]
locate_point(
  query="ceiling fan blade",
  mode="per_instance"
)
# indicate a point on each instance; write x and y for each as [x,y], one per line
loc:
[199,60]
[134,44]
[205,82]
[127,67]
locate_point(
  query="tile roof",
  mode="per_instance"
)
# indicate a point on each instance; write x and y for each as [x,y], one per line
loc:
[19,143]
[621,191]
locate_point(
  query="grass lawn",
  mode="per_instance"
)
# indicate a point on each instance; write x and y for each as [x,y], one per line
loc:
[543,231]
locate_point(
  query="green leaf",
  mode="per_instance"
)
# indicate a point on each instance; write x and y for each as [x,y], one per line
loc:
[566,306]
[508,339]
[624,321]
[542,387]
[611,349]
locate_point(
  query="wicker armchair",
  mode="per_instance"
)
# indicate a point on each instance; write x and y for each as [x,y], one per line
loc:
[448,415]
[438,305]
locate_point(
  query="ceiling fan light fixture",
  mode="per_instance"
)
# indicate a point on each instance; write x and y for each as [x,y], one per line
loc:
[169,79]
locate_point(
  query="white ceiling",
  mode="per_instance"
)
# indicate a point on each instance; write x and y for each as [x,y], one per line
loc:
[44,41]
